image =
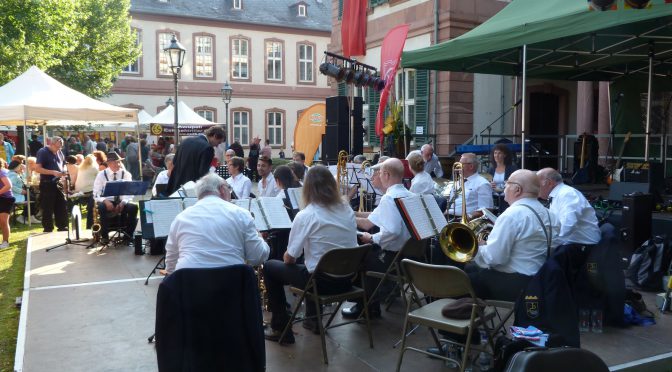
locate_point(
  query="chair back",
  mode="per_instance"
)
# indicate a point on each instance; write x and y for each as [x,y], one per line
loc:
[342,262]
[556,360]
[436,280]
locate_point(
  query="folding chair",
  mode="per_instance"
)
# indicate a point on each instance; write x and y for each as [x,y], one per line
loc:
[414,249]
[443,283]
[17,210]
[336,263]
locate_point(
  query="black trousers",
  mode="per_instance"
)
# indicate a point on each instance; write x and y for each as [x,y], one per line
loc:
[277,274]
[496,285]
[52,201]
[128,219]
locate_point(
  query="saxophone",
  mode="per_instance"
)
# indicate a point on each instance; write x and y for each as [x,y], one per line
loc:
[95,227]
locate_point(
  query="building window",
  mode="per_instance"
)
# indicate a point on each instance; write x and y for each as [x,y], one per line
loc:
[405,87]
[207,114]
[302,10]
[134,67]
[237,4]
[204,57]
[274,124]
[239,59]
[241,127]
[306,63]
[274,60]
[163,39]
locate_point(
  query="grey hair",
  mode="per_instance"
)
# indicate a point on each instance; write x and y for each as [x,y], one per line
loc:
[169,158]
[57,139]
[209,185]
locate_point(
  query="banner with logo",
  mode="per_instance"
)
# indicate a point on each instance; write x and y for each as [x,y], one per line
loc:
[309,130]
[185,130]
[390,55]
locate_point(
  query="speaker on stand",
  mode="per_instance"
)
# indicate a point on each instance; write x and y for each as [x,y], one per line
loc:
[338,133]
[636,220]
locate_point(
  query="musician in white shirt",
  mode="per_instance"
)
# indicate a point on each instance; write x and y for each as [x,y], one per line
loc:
[114,205]
[266,185]
[239,182]
[199,240]
[326,223]
[163,177]
[422,182]
[477,189]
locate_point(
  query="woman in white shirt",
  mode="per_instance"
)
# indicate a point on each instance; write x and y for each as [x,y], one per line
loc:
[422,182]
[326,223]
[86,174]
[239,182]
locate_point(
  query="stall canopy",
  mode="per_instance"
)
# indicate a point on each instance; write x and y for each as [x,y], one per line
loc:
[185,116]
[565,40]
[36,98]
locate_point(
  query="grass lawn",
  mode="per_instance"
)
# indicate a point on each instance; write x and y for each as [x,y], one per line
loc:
[12,264]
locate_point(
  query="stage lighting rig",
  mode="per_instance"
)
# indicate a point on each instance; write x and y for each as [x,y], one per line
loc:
[350,71]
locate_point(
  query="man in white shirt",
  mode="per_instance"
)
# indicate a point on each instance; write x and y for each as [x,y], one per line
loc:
[393,232]
[432,164]
[266,185]
[163,177]
[198,240]
[111,206]
[477,189]
[518,244]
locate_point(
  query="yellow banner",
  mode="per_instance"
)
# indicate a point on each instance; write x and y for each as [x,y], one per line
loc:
[309,130]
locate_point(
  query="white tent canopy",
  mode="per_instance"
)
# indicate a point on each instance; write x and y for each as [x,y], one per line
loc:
[35,98]
[185,115]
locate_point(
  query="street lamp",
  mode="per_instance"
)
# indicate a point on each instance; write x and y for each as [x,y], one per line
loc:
[227,91]
[169,102]
[175,53]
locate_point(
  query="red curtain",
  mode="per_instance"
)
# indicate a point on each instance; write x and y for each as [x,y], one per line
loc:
[353,27]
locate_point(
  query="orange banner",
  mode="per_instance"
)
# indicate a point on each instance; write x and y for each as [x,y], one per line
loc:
[309,130]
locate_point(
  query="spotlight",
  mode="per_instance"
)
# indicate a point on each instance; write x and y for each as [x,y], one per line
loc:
[360,77]
[348,75]
[602,4]
[638,4]
[377,83]
[332,70]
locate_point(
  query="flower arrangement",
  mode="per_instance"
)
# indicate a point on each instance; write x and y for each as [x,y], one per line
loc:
[394,126]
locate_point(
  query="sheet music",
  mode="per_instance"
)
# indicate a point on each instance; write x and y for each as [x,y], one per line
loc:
[295,198]
[189,189]
[188,202]
[423,214]
[275,212]
[163,213]
[435,212]
[259,220]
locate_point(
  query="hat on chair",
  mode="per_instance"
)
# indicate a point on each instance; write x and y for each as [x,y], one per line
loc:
[113,156]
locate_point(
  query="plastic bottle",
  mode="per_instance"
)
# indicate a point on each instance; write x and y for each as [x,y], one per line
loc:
[484,359]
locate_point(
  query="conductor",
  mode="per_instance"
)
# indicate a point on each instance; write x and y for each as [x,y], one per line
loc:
[194,157]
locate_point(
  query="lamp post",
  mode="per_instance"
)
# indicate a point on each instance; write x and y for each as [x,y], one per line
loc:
[175,53]
[169,101]
[227,91]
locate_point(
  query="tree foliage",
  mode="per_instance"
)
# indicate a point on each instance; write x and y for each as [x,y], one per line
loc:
[82,43]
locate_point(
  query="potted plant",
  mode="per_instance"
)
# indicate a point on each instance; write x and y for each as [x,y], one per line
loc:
[395,127]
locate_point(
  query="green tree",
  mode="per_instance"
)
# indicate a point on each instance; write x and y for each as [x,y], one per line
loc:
[83,43]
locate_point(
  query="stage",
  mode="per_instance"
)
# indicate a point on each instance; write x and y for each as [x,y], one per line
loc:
[89,311]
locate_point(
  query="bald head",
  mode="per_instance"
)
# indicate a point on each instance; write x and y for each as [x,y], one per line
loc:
[522,183]
[427,151]
[392,172]
[548,179]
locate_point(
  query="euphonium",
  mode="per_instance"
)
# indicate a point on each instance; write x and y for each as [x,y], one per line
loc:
[342,172]
[95,227]
[458,240]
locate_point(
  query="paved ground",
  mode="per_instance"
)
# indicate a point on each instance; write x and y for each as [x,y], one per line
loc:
[90,311]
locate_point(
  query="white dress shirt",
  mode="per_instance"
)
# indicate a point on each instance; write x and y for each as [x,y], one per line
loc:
[422,183]
[317,229]
[271,188]
[393,232]
[86,178]
[578,222]
[161,179]
[479,195]
[241,185]
[99,184]
[199,240]
[517,242]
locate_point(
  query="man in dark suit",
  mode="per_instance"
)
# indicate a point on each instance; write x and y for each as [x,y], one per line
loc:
[194,157]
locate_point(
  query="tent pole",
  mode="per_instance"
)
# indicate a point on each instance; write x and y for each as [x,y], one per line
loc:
[25,173]
[524,104]
[403,99]
[648,108]
[515,109]
[137,134]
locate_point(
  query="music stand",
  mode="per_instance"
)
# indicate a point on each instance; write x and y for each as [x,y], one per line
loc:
[68,240]
[118,189]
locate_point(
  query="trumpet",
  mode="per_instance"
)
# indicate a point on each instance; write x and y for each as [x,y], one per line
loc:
[459,240]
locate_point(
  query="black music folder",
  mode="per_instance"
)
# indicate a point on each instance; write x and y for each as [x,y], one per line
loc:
[118,188]
[422,215]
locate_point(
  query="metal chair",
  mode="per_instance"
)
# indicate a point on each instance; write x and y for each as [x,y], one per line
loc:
[337,263]
[443,283]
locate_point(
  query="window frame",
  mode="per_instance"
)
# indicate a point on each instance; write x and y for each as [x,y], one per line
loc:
[304,8]
[237,4]
[298,63]
[408,85]
[159,52]
[207,108]
[139,61]
[247,111]
[281,59]
[282,126]
[232,39]
[213,56]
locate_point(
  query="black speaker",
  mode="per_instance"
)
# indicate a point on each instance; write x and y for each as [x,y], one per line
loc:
[137,243]
[357,126]
[636,219]
[649,172]
[618,189]
[336,135]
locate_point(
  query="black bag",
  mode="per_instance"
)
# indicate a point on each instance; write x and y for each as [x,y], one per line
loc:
[648,264]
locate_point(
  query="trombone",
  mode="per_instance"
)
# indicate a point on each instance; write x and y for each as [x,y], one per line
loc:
[363,195]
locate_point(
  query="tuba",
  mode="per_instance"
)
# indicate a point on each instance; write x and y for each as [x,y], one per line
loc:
[459,240]
[95,227]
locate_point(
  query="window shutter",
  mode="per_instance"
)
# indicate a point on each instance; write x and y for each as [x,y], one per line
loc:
[421,106]
[373,99]
[340,9]
[342,89]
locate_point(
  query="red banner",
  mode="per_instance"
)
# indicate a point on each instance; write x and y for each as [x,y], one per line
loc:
[390,55]
[353,28]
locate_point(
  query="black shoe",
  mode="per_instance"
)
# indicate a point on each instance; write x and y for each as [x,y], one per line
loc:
[354,311]
[63,229]
[274,335]
[311,325]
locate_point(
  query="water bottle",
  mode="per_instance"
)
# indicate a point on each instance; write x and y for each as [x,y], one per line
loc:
[484,358]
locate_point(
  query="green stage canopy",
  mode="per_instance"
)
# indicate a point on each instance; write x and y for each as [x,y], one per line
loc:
[565,40]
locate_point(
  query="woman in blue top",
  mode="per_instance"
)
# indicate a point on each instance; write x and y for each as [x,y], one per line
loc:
[6,203]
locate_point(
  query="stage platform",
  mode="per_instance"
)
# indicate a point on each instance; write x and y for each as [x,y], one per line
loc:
[85,310]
